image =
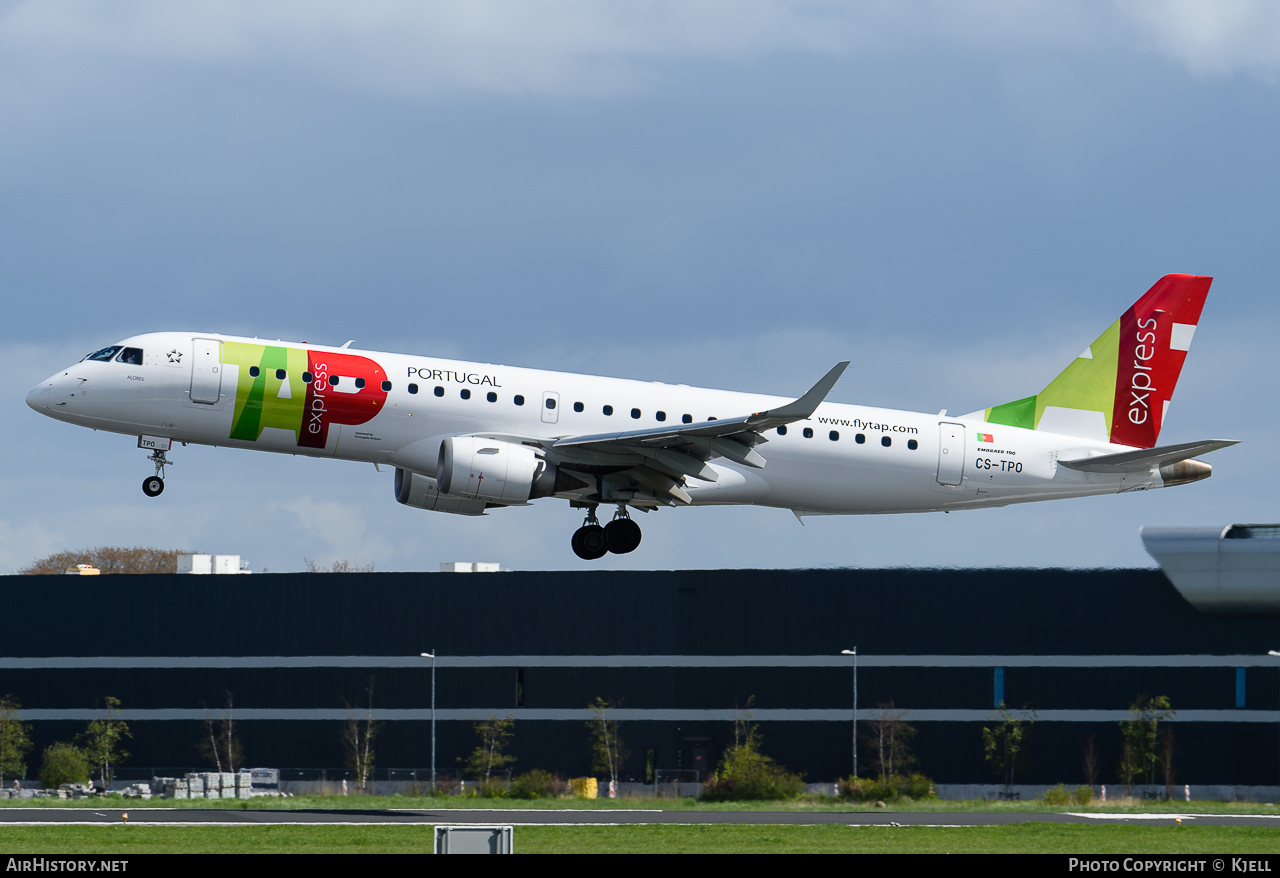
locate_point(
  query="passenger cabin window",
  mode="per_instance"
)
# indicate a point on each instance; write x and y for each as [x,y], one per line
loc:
[661,416]
[104,355]
[359,384]
[913,444]
[635,413]
[577,406]
[281,373]
[307,377]
[860,438]
[808,432]
[466,394]
[386,386]
[333,380]
[519,400]
[253,372]
[491,396]
[608,410]
[686,419]
[132,356]
[439,391]
[782,431]
[886,441]
[550,403]
[834,436]
[413,388]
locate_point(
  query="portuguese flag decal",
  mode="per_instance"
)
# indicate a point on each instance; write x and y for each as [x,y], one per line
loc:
[986,437]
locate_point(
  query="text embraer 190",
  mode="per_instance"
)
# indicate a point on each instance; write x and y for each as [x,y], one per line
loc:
[467,437]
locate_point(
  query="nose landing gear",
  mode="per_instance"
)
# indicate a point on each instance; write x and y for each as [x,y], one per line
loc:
[620,536]
[153,486]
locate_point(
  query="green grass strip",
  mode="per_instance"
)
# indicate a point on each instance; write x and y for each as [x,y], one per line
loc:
[1019,838]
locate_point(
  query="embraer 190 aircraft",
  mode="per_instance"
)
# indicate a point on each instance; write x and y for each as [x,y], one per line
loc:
[468,437]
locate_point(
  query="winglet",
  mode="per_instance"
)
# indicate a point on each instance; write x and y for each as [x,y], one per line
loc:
[807,404]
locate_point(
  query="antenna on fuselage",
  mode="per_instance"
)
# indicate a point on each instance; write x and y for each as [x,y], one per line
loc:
[347,345]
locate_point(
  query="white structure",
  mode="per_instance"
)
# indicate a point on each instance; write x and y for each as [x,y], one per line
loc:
[212,564]
[83,570]
[1221,570]
[470,567]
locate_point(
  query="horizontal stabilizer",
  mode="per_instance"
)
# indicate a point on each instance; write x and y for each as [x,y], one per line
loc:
[1144,459]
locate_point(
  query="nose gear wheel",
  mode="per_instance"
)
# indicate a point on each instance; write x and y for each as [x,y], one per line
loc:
[153,486]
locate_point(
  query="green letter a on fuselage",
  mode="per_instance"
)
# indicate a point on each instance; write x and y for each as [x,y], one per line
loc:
[264,400]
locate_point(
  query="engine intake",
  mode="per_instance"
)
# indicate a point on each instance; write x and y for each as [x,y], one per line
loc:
[422,492]
[489,469]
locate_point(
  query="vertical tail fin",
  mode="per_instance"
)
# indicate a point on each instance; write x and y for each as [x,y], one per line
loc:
[1118,389]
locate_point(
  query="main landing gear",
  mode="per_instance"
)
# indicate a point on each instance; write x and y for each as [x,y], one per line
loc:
[153,486]
[620,536]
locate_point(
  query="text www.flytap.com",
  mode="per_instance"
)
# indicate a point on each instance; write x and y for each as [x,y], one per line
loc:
[859,424]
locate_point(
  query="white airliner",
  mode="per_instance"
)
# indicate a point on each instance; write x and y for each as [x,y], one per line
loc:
[468,437]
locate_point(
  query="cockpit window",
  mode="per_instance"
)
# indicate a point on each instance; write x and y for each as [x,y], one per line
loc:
[105,354]
[132,356]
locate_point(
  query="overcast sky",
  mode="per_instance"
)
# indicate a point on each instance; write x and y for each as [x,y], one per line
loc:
[957,197]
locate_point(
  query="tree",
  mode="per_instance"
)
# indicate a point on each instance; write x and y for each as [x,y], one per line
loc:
[1005,746]
[607,750]
[1166,761]
[1140,754]
[1091,761]
[495,734]
[342,565]
[357,740]
[102,741]
[746,773]
[109,559]
[220,744]
[15,739]
[890,737]
[63,763]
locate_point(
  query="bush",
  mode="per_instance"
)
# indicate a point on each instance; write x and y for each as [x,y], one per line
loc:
[764,780]
[911,786]
[537,784]
[63,763]
[1059,795]
[746,773]
[490,789]
[1083,795]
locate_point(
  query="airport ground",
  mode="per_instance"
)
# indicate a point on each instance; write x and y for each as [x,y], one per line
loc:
[403,825]
[1026,837]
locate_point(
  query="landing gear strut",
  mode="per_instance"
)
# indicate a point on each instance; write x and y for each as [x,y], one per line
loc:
[620,536]
[588,541]
[152,486]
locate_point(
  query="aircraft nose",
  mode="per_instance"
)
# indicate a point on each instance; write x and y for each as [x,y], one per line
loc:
[38,399]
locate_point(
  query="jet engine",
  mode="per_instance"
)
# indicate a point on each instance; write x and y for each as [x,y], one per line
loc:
[422,492]
[492,470]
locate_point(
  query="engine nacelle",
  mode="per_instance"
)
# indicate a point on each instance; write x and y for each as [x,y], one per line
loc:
[422,492]
[488,469]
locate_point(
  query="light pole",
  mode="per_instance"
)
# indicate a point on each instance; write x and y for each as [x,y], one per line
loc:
[854,652]
[432,655]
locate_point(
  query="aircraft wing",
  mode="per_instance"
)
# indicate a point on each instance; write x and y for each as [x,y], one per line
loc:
[671,453]
[1144,459]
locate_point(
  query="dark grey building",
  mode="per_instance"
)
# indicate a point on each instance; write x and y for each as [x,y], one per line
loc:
[680,651]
